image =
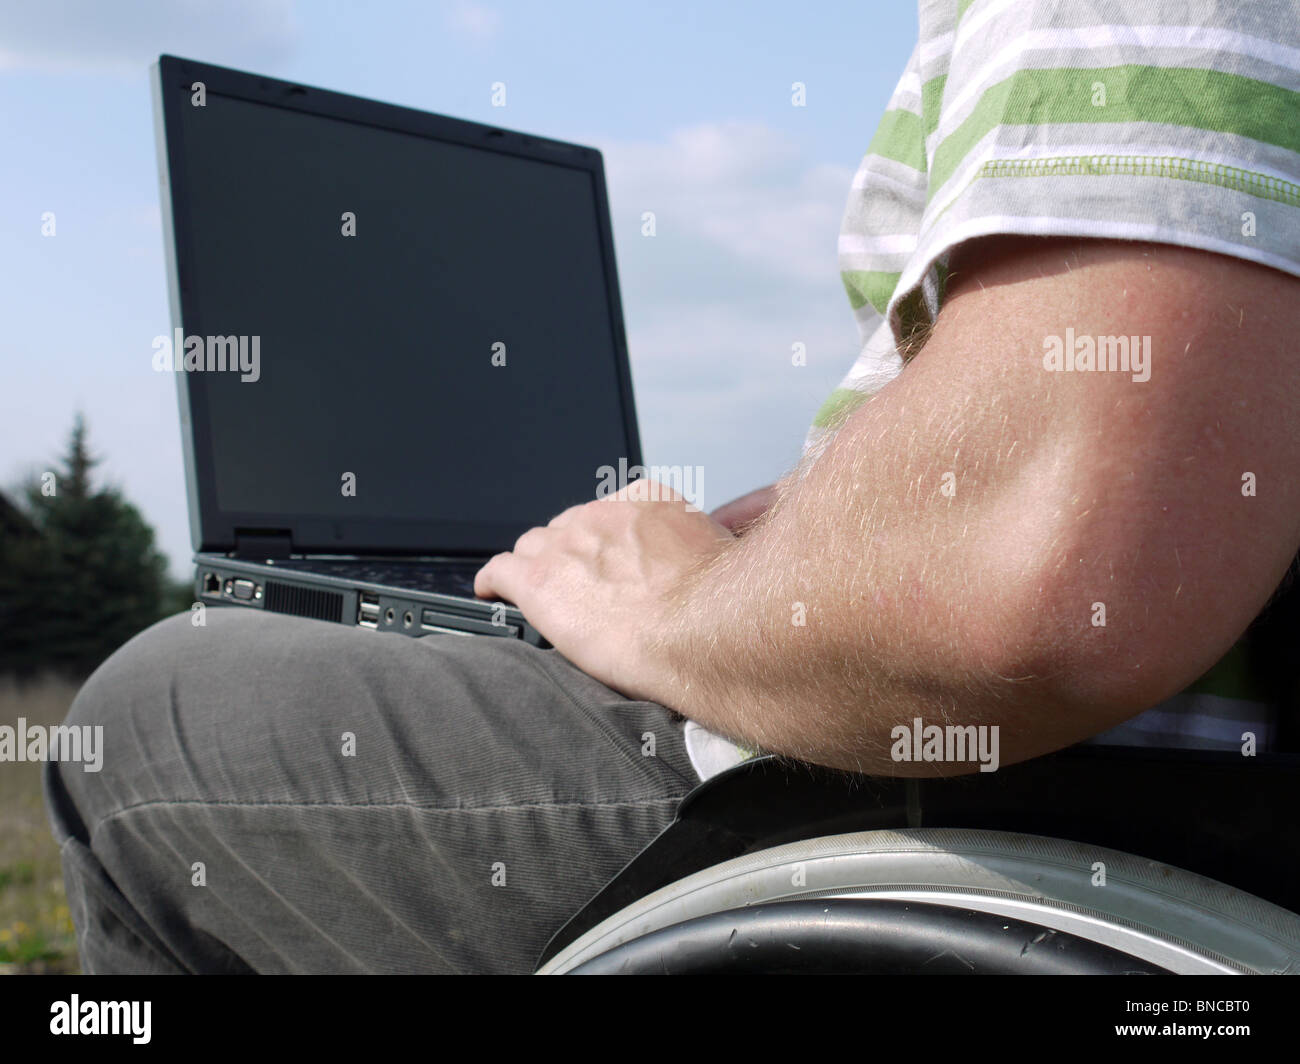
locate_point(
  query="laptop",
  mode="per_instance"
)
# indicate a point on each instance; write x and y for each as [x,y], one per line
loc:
[397,343]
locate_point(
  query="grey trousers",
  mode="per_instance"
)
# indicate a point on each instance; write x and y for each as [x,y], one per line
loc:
[287,795]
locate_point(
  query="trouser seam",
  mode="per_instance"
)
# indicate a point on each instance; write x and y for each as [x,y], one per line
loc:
[175,803]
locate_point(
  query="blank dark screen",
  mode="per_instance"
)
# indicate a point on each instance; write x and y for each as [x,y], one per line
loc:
[376,349]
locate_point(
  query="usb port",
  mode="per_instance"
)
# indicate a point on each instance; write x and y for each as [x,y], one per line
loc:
[368,611]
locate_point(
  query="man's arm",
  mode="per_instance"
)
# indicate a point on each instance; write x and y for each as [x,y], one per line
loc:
[1068,490]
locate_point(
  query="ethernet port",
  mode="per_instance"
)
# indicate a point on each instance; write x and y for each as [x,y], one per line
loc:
[211,584]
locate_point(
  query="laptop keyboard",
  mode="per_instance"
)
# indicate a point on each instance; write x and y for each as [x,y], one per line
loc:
[443,578]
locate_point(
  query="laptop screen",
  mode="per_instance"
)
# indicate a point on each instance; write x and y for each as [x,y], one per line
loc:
[420,348]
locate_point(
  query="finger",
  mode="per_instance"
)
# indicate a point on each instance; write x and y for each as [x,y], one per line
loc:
[565,517]
[490,580]
[532,542]
[648,490]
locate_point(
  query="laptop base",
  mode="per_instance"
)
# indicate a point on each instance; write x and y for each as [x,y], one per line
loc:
[341,595]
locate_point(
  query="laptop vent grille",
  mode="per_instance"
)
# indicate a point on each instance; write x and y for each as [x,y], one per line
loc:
[304,601]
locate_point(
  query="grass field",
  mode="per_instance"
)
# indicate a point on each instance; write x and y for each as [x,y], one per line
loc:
[36,935]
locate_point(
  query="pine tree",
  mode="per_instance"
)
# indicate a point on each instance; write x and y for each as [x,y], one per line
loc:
[89,577]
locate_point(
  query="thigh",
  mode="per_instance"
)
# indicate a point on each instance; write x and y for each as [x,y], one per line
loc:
[312,797]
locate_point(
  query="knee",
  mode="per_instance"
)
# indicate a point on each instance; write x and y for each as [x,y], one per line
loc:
[132,675]
[185,707]
[148,707]
[113,706]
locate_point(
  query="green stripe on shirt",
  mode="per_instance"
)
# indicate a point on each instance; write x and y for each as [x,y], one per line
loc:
[899,137]
[869,286]
[1199,99]
[931,95]
[838,406]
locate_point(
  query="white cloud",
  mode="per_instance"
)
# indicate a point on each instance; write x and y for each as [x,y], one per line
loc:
[742,266]
[741,187]
[91,36]
[474,20]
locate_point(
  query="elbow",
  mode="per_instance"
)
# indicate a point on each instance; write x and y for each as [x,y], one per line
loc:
[1068,665]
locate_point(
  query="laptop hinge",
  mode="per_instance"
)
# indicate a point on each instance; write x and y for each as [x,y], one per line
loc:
[263,543]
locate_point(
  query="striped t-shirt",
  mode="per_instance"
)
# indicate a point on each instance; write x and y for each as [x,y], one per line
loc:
[1143,120]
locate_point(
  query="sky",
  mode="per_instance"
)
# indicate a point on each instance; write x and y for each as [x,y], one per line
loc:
[690,103]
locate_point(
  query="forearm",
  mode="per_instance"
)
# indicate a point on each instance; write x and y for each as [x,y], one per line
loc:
[867,597]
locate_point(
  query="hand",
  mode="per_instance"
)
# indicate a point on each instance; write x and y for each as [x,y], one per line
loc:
[740,513]
[593,581]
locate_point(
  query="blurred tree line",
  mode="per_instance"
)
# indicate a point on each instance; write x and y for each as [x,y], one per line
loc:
[80,573]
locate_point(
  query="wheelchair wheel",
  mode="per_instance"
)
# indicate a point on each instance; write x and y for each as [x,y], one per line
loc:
[1102,903]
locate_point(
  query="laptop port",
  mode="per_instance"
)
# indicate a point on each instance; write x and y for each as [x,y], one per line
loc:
[390,615]
[211,584]
[435,621]
[244,589]
[408,619]
[368,611]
